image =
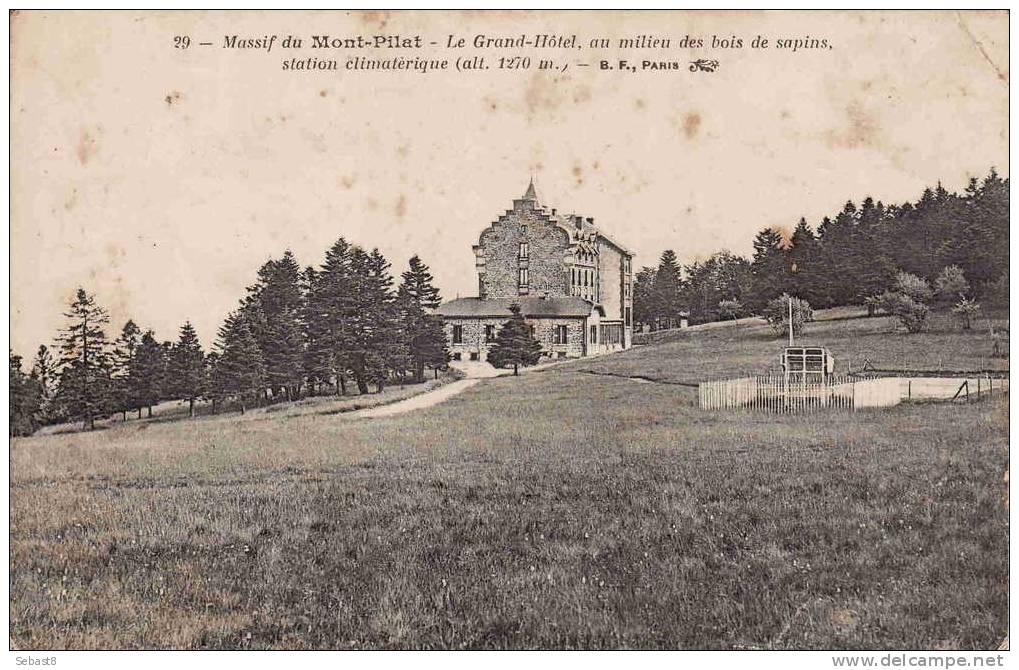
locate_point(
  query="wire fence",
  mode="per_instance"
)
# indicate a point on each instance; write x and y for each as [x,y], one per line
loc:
[779,393]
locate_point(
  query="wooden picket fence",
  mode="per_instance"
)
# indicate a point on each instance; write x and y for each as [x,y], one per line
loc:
[776,393]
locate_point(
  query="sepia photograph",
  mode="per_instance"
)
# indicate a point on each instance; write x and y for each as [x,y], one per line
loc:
[549,330]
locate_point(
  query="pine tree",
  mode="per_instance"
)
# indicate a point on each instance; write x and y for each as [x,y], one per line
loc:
[187,377]
[124,348]
[328,316]
[416,285]
[804,263]
[724,277]
[44,370]
[316,360]
[239,371]
[768,268]
[145,378]
[85,362]
[666,291]
[273,308]
[514,344]
[381,340]
[644,308]
[424,337]
[24,399]
[873,265]
[430,345]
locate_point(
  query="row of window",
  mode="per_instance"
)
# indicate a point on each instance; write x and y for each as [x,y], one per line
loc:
[560,334]
[582,277]
[474,356]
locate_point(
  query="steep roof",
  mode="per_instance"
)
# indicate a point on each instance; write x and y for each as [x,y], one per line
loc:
[530,193]
[564,306]
[581,231]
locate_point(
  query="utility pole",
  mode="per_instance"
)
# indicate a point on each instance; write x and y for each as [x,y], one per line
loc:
[790,321]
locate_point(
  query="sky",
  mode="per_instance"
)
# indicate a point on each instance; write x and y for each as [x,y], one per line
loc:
[160,179]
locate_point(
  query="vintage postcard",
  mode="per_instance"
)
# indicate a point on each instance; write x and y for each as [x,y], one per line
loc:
[549,330]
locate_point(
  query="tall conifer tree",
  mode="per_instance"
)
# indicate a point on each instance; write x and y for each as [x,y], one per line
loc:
[84,385]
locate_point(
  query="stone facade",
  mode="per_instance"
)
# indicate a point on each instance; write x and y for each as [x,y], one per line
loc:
[534,253]
[473,344]
[500,256]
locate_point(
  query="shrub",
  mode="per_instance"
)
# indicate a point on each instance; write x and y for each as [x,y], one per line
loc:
[777,314]
[966,311]
[913,287]
[914,315]
[951,285]
[882,302]
[731,309]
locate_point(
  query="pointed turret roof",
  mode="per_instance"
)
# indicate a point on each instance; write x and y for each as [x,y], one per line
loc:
[530,194]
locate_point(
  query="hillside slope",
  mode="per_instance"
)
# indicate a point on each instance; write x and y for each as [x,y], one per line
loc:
[727,349]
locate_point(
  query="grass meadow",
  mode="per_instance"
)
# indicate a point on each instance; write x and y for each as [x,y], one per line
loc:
[692,356]
[558,509]
[229,411]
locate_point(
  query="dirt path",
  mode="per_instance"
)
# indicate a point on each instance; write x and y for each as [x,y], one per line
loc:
[475,371]
[420,401]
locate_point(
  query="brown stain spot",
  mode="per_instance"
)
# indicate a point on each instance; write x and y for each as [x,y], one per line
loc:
[785,114]
[373,17]
[372,203]
[491,104]
[578,174]
[862,129]
[545,93]
[348,182]
[640,104]
[114,253]
[87,146]
[323,93]
[72,200]
[401,206]
[402,151]
[540,94]
[691,125]
[172,97]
